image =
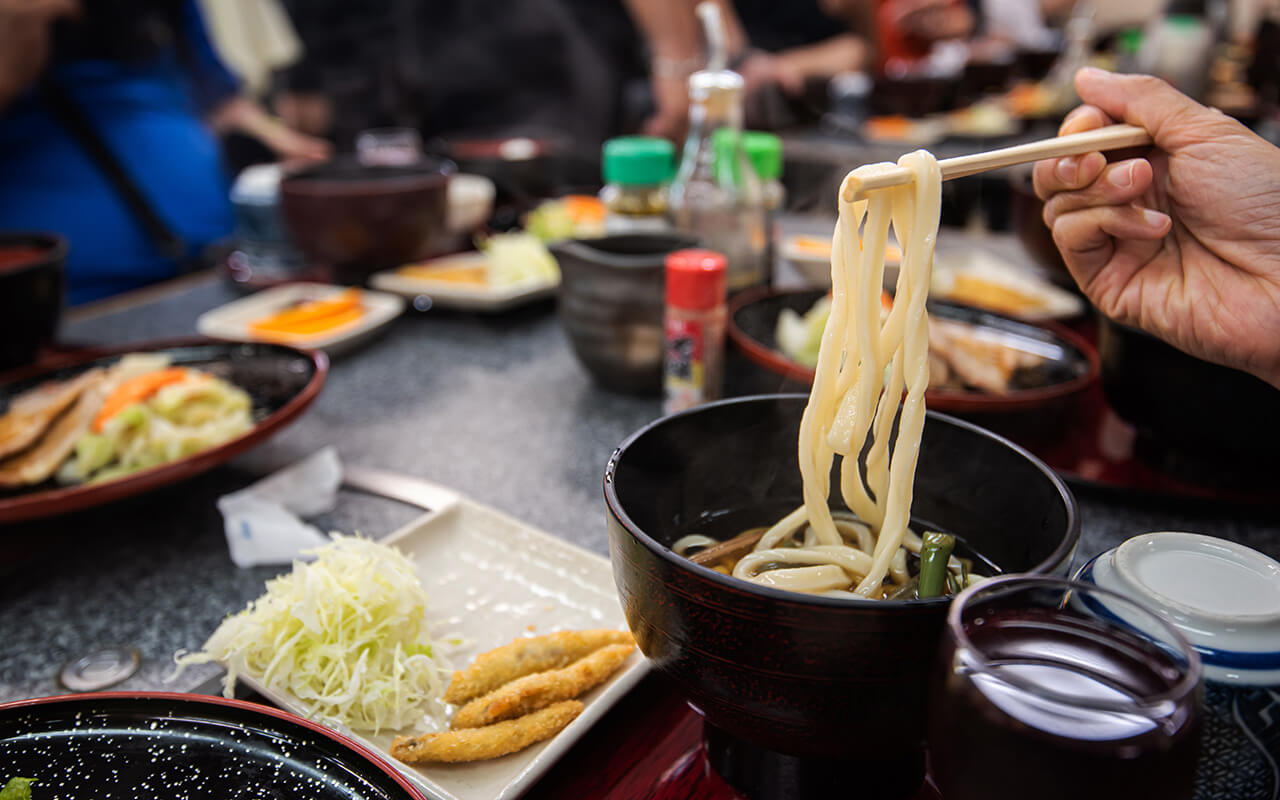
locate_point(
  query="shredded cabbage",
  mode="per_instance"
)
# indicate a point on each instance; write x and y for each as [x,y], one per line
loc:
[180,419]
[799,337]
[516,258]
[346,634]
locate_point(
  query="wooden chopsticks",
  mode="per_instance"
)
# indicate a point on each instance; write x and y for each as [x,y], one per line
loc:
[1112,137]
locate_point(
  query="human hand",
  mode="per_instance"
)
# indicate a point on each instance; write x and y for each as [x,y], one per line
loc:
[25,40]
[1184,243]
[670,118]
[307,112]
[761,70]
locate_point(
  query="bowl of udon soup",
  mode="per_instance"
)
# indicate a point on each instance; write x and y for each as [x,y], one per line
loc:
[830,675]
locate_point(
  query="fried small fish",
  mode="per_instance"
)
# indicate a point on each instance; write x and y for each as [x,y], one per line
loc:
[541,689]
[491,741]
[31,413]
[526,656]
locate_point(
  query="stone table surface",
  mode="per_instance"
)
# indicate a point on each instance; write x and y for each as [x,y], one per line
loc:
[495,407]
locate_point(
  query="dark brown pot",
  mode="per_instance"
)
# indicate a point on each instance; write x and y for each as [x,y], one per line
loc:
[363,218]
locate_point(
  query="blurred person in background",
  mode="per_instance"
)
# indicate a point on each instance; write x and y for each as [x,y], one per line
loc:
[108,115]
[456,68]
[776,46]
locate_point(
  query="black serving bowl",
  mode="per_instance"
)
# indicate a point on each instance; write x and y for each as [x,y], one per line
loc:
[31,292]
[810,677]
[1198,421]
[1040,399]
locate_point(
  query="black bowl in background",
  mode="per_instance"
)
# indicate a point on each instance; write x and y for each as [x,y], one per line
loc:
[1041,399]
[32,285]
[1198,421]
[360,218]
[820,679]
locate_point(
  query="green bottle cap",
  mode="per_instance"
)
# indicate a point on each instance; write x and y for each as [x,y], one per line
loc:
[764,151]
[1129,41]
[638,160]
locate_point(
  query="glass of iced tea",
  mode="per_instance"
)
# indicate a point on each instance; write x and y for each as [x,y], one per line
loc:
[1051,689]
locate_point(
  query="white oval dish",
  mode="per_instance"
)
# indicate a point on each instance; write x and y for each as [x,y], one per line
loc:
[1224,597]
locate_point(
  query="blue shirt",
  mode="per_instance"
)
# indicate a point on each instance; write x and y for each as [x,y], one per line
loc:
[149,115]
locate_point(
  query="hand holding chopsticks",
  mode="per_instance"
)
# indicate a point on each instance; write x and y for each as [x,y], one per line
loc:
[1112,137]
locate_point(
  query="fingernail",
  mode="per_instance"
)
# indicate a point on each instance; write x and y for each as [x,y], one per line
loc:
[1067,170]
[1121,178]
[1153,218]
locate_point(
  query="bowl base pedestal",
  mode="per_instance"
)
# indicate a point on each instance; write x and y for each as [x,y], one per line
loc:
[763,774]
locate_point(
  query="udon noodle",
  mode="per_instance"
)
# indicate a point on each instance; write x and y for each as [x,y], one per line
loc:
[865,364]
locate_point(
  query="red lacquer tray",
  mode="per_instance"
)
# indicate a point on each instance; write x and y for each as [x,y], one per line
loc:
[648,746]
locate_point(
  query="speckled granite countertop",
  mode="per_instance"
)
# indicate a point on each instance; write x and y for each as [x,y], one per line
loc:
[493,406]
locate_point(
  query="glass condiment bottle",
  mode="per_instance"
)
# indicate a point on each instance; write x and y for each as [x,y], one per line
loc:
[694,324]
[718,199]
[636,172]
[764,151]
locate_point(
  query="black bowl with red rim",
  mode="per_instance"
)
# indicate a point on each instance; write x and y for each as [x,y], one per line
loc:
[281,381]
[1039,401]
[825,686]
[166,745]
[31,294]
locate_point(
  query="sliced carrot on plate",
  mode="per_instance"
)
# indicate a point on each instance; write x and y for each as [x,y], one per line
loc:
[136,390]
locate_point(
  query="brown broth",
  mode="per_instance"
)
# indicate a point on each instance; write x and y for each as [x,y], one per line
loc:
[19,255]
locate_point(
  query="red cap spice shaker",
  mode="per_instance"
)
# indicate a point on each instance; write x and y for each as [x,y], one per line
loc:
[696,317]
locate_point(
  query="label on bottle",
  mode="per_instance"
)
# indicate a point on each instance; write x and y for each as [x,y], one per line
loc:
[636,223]
[684,365]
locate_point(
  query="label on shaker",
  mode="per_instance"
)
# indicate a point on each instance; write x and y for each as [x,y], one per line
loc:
[684,366]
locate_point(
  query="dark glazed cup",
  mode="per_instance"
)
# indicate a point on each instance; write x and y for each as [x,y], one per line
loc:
[31,294]
[811,677]
[611,305]
[363,218]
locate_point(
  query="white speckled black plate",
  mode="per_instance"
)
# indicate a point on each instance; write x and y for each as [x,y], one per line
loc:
[164,745]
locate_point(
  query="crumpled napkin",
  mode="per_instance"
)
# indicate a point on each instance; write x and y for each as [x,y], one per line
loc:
[263,521]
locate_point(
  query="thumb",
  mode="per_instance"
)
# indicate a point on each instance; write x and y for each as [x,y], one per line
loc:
[1167,114]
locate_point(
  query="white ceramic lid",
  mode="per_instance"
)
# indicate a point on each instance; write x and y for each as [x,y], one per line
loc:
[1224,597]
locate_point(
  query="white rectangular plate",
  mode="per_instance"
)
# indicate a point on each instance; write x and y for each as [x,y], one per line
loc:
[460,296]
[491,579]
[232,321]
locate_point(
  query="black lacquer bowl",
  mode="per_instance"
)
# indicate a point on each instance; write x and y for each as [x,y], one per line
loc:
[807,677]
[165,745]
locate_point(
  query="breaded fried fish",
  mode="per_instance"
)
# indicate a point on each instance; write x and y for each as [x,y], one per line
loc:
[525,656]
[541,689]
[491,741]
[38,462]
[31,413]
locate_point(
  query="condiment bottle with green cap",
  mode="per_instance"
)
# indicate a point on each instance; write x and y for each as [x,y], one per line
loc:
[764,152]
[636,172]
[694,325]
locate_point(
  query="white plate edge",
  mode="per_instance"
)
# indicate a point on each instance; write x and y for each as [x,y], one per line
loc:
[219,323]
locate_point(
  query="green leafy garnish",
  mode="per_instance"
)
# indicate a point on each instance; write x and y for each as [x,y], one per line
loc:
[17,789]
